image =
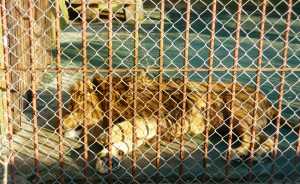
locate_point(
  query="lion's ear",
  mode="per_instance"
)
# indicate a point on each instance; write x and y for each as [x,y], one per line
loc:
[143,73]
[79,87]
[99,83]
[97,80]
[76,87]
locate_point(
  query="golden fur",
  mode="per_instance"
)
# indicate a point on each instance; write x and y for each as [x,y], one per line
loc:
[97,105]
[122,142]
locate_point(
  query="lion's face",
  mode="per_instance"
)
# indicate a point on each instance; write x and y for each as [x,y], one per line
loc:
[80,112]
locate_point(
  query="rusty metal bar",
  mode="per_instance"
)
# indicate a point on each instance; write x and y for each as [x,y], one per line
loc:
[171,69]
[85,78]
[135,66]
[59,89]
[34,93]
[185,81]
[161,72]
[209,87]
[110,62]
[7,99]
[258,81]
[298,150]
[234,81]
[298,144]
[297,160]
[5,169]
[282,83]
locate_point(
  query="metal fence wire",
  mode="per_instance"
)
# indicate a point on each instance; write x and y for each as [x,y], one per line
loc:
[150,91]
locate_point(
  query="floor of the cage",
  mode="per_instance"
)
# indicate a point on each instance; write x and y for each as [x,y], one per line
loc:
[285,165]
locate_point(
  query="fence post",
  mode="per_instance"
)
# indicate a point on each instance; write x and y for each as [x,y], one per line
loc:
[3,127]
[19,61]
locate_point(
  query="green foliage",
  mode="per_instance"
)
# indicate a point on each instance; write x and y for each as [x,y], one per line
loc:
[64,10]
[64,20]
[104,6]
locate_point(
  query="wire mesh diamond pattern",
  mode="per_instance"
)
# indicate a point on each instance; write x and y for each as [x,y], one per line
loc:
[150,91]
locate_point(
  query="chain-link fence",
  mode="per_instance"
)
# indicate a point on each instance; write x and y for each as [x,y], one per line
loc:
[150,91]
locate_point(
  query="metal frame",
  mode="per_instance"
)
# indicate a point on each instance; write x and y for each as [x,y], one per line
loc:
[59,70]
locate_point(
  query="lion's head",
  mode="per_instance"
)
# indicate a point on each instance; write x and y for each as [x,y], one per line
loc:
[81,110]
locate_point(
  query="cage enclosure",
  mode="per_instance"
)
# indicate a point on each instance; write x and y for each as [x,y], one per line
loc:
[150,91]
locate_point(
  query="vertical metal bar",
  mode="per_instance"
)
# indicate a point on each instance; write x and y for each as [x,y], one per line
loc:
[234,81]
[298,145]
[85,78]
[8,89]
[185,80]
[298,152]
[161,72]
[34,89]
[258,81]
[209,88]
[59,89]
[136,57]
[282,82]
[110,62]
[5,170]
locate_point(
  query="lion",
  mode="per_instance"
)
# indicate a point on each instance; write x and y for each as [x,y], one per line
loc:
[240,113]
[147,106]
[97,104]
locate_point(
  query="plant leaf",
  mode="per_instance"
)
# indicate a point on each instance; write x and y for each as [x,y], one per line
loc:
[64,10]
